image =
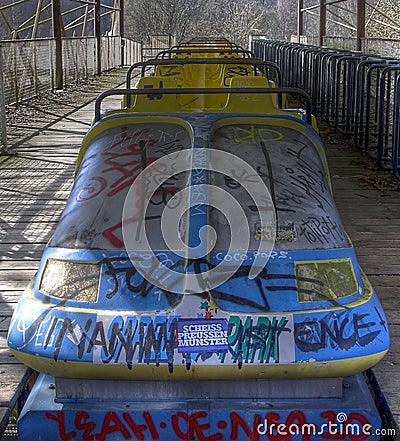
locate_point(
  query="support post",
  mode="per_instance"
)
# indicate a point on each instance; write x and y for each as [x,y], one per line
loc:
[97,32]
[360,24]
[85,21]
[300,20]
[322,21]
[3,125]
[56,11]
[122,30]
[37,18]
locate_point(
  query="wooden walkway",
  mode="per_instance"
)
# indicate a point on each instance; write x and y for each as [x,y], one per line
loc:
[35,182]
[370,212]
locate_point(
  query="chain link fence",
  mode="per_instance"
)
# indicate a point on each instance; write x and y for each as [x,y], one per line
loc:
[78,59]
[28,67]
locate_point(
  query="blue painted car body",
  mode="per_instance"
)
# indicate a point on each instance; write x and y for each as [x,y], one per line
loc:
[311,312]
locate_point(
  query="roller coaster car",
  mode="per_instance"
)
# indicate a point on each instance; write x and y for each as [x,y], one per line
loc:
[96,310]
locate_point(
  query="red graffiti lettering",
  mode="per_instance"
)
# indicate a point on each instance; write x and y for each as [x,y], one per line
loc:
[60,419]
[81,423]
[238,422]
[93,187]
[363,424]
[193,428]
[112,424]
[175,424]
[272,423]
[109,233]
[136,429]
[200,426]
[111,237]
[199,429]
[329,429]
[119,161]
[150,424]
[298,420]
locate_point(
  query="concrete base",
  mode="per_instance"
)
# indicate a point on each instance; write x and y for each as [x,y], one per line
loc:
[350,416]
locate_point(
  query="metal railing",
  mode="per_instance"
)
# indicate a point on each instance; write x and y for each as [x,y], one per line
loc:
[28,67]
[385,47]
[354,92]
[153,44]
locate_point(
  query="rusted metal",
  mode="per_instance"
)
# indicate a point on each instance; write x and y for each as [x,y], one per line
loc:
[122,29]
[322,21]
[360,23]
[56,10]
[97,32]
[300,21]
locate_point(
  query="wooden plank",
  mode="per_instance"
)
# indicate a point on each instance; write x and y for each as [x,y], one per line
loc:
[392,315]
[5,323]
[19,285]
[370,267]
[10,296]
[4,417]
[7,362]
[7,309]
[3,340]
[10,383]
[371,218]
[33,193]
[18,264]
[10,274]
[387,281]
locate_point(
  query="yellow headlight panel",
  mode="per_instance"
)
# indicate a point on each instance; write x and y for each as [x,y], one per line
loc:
[325,280]
[78,281]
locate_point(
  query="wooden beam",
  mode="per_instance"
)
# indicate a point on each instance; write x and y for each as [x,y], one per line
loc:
[300,20]
[37,19]
[57,34]
[122,30]
[360,24]
[97,32]
[322,21]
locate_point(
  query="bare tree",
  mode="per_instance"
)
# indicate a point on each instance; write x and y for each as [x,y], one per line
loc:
[235,19]
[232,19]
[167,17]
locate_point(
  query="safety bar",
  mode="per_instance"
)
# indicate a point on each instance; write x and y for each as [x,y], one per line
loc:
[217,50]
[225,61]
[204,91]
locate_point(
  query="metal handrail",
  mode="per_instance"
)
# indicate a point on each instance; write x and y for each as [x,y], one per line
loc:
[190,51]
[183,61]
[255,62]
[351,90]
[205,91]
